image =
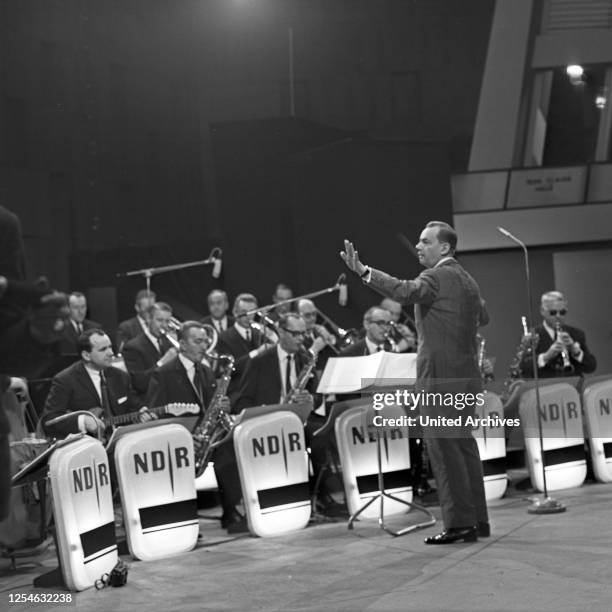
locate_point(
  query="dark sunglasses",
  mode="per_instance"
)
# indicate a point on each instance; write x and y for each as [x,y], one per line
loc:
[381,323]
[295,334]
[553,313]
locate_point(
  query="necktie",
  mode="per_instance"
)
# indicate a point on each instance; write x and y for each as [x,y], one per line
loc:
[106,405]
[198,381]
[79,327]
[288,375]
[158,342]
[379,348]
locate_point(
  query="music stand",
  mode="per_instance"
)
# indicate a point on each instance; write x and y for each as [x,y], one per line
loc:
[382,494]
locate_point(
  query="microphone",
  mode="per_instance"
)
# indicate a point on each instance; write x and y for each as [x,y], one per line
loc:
[512,237]
[342,290]
[217,263]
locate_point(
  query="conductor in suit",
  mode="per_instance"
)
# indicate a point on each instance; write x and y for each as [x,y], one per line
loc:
[561,349]
[448,311]
[185,379]
[90,383]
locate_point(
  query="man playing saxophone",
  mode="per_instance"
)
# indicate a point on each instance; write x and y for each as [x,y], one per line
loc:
[275,374]
[561,350]
[185,379]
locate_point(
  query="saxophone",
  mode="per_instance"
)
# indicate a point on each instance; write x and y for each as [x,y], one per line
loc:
[303,377]
[514,371]
[216,426]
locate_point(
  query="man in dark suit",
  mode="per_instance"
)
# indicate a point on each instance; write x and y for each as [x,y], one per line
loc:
[76,324]
[218,305]
[402,334]
[561,349]
[241,341]
[318,338]
[90,383]
[448,311]
[377,325]
[150,350]
[269,377]
[131,328]
[184,379]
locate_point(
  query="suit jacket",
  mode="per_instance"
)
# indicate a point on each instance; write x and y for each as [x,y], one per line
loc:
[261,382]
[208,320]
[141,358]
[448,312]
[554,368]
[359,349]
[170,384]
[232,343]
[127,330]
[68,344]
[72,390]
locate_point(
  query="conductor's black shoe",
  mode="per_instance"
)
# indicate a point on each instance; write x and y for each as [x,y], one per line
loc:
[454,534]
[483,529]
[236,524]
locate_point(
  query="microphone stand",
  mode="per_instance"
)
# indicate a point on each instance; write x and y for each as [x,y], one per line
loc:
[306,296]
[149,272]
[546,505]
[265,309]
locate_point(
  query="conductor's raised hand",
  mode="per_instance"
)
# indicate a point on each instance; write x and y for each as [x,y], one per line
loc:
[351,258]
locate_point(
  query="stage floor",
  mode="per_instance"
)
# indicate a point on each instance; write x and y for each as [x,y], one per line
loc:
[550,562]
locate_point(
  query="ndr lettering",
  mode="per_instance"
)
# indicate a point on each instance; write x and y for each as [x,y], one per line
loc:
[156,460]
[604,406]
[84,478]
[359,435]
[270,445]
[552,412]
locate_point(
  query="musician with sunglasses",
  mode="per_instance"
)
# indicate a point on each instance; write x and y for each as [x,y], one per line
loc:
[561,349]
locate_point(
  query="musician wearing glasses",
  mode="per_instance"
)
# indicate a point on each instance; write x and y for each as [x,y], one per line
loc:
[448,311]
[377,325]
[185,379]
[90,384]
[318,339]
[149,350]
[270,377]
[561,349]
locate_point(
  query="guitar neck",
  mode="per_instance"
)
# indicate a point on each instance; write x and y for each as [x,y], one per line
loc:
[174,409]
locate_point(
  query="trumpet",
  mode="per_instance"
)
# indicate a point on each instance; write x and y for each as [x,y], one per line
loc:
[344,337]
[266,328]
[211,333]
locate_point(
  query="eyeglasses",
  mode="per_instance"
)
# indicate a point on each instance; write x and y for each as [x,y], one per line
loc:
[309,314]
[553,313]
[294,334]
[381,323]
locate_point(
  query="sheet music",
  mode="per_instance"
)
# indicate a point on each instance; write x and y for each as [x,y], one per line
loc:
[351,374]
